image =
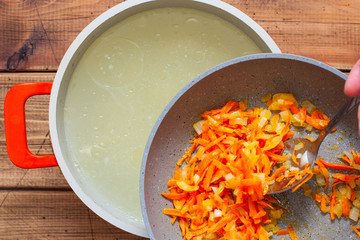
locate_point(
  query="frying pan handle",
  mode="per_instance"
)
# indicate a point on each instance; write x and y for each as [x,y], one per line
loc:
[15,130]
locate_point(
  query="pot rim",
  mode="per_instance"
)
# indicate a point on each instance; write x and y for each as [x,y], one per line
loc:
[67,63]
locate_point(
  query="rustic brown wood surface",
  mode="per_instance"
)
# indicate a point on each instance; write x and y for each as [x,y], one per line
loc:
[35,34]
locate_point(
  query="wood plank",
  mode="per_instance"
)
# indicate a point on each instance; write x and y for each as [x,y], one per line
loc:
[36,34]
[38,137]
[328,31]
[52,215]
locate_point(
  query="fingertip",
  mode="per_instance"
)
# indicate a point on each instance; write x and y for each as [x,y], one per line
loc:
[358,117]
[352,84]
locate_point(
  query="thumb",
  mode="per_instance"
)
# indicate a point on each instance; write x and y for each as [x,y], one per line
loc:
[352,84]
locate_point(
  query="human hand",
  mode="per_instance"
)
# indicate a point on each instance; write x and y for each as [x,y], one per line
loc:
[352,85]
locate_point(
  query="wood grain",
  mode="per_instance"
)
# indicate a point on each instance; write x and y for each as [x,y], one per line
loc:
[52,215]
[37,123]
[36,34]
[328,31]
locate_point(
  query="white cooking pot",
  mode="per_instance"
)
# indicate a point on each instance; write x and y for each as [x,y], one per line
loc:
[15,99]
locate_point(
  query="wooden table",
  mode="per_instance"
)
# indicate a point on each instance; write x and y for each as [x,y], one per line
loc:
[34,35]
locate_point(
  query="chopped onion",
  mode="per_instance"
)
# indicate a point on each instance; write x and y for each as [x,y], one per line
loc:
[296,118]
[288,163]
[356,203]
[296,121]
[284,116]
[354,214]
[308,106]
[184,171]
[215,190]
[338,210]
[307,189]
[279,127]
[211,216]
[299,146]
[266,114]
[292,168]
[320,180]
[198,126]
[229,176]
[208,204]
[196,179]
[308,127]
[304,159]
[276,214]
[262,122]
[236,191]
[349,155]
[239,121]
[266,97]
[357,194]
[217,213]
[345,191]
[271,182]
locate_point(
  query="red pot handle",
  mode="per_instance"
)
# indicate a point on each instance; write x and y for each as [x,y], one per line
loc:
[15,131]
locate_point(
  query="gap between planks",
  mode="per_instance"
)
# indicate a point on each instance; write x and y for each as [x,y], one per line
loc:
[38,189]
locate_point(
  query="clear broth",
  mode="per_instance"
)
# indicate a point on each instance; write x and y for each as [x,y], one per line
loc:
[122,84]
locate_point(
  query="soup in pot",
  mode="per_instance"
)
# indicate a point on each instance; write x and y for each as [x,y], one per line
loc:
[123,82]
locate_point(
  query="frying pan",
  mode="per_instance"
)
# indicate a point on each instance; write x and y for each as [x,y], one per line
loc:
[249,78]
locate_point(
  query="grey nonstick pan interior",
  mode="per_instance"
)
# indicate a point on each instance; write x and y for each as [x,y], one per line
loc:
[249,78]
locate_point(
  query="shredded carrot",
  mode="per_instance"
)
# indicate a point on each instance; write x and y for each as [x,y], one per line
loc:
[303,182]
[332,204]
[323,171]
[310,139]
[280,178]
[292,233]
[347,160]
[323,202]
[356,230]
[229,163]
[220,183]
[346,207]
[294,159]
[278,171]
[283,232]
[175,196]
[346,179]
[335,166]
